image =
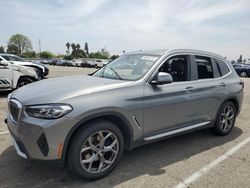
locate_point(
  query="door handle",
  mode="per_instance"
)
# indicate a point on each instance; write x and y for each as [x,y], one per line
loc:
[223,84]
[189,88]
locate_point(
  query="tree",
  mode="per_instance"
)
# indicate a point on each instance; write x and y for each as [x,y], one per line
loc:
[98,55]
[1,49]
[73,53]
[22,43]
[12,49]
[46,55]
[29,54]
[82,54]
[68,46]
[240,59]
[113,57]
[67,57]
[77,50]
[86,48]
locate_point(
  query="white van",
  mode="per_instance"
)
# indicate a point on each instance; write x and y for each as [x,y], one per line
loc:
[14,76]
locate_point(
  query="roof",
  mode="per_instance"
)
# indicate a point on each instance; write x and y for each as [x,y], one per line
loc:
[162,52]
[7,54]
[152,52]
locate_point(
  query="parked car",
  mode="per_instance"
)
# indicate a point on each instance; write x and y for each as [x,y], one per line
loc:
[14,59]
[64,63]
[88,121]
[88,63]
[76,62]
[48,61]
[99,63]
[46,69]
[242,70]
[14,76]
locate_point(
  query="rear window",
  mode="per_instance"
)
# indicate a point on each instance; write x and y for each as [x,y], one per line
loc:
[204,67]
[222,67]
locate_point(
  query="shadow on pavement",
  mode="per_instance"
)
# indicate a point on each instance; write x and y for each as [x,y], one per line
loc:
[4,94]
[148,159]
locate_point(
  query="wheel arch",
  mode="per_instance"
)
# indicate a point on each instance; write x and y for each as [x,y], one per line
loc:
[234,101]
[118,119]
[21,77]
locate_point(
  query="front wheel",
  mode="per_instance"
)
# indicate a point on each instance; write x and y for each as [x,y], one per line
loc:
[24,81]
[225,119]
[95,150]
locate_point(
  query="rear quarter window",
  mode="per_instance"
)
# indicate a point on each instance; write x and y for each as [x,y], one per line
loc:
[222,67]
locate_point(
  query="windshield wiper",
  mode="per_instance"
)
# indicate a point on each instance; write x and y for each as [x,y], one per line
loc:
[116,73]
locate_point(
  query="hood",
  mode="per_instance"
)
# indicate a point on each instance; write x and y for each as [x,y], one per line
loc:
[26,63]
[56,90]
[28,71]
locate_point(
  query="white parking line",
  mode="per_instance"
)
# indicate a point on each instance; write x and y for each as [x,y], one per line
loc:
[195,176]
[5,132]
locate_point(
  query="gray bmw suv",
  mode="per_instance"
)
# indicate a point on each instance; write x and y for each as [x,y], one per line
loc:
[87,121]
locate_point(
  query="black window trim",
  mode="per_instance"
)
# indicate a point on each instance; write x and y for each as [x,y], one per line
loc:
[151,78]
[216,59]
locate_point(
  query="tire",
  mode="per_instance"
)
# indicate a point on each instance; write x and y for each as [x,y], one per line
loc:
[24,81]
[243,74]
[91,133]
[225,119]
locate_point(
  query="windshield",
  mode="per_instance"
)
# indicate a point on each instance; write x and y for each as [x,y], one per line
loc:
[12,58]
[128,67]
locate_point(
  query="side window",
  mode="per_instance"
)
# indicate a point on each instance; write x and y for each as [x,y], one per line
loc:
[222,67]
[178,67]
[204,67]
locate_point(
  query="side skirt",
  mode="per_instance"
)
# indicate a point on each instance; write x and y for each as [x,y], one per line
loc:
[176,131]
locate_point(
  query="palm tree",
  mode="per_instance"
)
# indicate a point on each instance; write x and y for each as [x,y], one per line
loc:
[86,48]
[68,46]
[77,49]
[73,53]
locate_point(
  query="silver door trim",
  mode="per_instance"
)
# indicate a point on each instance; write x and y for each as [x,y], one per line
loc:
[176,131]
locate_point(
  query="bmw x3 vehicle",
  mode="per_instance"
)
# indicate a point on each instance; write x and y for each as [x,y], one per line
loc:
[242,70]
[15,76]
[41,69]
[87,121]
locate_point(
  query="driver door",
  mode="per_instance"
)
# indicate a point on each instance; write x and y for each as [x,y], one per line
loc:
[170,106]
[5,75]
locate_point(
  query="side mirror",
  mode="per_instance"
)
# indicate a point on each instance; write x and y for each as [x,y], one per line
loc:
[162,78]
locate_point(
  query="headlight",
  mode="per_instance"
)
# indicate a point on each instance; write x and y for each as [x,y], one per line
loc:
[48,111]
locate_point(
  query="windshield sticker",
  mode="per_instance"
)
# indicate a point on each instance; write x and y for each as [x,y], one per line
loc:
[149,58]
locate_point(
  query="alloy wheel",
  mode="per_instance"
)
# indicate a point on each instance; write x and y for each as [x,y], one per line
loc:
[99,151]
[227,118]
[243,74]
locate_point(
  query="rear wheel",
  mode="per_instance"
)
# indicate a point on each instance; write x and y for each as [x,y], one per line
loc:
[95,150]
[243,74]
[24,81]
[225,119]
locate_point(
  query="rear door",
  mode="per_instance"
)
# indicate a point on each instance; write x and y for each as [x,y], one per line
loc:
[207,88]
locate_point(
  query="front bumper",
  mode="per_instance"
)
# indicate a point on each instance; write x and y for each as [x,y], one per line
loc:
[38,139]
[19,149]
[46,72]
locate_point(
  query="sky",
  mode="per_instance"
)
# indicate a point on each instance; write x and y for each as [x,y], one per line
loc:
[222,27]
